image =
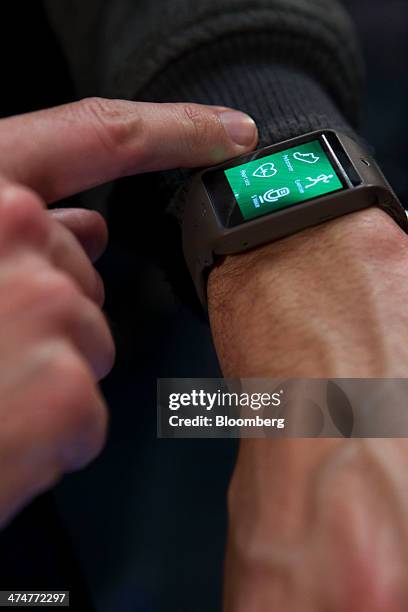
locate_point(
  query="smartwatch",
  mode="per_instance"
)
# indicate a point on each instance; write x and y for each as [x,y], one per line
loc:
[275,192]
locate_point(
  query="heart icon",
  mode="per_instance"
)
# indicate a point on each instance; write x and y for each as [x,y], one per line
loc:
[265,171]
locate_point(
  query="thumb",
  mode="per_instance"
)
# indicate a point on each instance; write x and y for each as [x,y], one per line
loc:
[70,148]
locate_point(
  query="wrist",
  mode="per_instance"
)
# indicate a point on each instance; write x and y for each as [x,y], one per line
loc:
[326,302]
[300,509]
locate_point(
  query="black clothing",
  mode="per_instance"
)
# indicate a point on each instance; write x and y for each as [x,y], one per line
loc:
[293,65]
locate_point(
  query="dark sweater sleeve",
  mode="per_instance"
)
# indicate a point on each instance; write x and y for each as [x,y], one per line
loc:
[294,65]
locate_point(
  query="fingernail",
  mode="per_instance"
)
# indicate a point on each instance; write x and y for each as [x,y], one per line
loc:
[241,128]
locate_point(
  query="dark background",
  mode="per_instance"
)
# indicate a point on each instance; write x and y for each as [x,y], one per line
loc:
[143,528]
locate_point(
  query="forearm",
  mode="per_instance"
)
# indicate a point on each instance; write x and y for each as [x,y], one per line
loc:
[328,302]
[318,525]
[305,515]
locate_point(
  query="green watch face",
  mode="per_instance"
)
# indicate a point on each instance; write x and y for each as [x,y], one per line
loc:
[283,179]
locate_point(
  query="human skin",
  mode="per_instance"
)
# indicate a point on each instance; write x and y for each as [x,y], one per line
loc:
[317,525]
[55,344]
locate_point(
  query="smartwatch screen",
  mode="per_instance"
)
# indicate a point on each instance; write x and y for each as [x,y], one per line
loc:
[282,179]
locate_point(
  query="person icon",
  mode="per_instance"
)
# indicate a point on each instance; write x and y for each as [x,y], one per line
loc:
[323,178]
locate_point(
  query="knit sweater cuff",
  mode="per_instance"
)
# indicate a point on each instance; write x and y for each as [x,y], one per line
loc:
[284,100]
[124,49]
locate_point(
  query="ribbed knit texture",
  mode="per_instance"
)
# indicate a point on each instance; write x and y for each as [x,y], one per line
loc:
[121,47]
[293,65]
[284,101]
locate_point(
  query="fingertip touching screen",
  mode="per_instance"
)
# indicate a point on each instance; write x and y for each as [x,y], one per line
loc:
[277,181]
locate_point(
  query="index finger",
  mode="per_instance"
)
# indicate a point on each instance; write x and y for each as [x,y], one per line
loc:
[70,148]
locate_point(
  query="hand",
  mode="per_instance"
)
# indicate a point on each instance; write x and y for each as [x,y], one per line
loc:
[317,525]
[54,345]
[54,341]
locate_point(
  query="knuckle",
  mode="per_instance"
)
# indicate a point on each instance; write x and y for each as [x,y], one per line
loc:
[66,288]
[61,309]
[82,411]
[199,123]
[117,122]
[98,292]
[102,357]
[22,214]
[107,355]
[56,291]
